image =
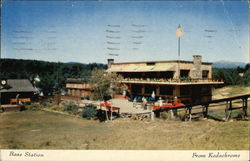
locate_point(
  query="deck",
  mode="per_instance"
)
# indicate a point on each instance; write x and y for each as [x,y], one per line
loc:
[173,81]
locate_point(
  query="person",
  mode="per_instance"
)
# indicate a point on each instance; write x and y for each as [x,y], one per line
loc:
[176,101]
[160,102]
[144,103]
[166,100]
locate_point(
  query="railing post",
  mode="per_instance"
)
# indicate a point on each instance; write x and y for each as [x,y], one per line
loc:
[186,113]
[190,114]
[244,107]
[228,110]
[205,110]
[152,115]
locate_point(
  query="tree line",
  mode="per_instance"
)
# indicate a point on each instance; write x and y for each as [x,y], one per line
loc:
[52,75]
[233,76]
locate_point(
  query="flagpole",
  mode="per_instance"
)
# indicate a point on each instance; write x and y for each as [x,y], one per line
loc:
[179,45]
[179,33]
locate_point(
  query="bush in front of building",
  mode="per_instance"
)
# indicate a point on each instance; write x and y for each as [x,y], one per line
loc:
[69,106]
[47,103]
[89,112]
[33,106]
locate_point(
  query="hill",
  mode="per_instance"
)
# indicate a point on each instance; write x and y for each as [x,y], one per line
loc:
[228,64]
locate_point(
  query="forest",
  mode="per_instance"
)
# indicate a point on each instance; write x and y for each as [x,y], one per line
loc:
[52,75]
[233,76]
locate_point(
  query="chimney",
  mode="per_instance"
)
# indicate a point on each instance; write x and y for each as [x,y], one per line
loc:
[110,61]
[196,72]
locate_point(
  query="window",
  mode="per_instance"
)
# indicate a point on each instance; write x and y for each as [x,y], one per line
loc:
[167,75]
[151,63]
[205,73]
[184,73]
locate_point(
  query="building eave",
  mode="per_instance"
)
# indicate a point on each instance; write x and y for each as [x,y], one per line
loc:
[163,61]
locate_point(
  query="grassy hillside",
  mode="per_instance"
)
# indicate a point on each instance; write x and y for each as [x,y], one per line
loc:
[230,91]
[44,130]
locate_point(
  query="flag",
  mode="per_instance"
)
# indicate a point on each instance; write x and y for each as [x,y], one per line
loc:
[179,31]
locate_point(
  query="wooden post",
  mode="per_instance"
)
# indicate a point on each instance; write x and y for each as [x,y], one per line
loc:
[143,90]
[186,114]
[244,107]
[152,116]
[205,111]
[157,91]
[106,113]
[173,113]
[190,113]
[228,110]
[111,115]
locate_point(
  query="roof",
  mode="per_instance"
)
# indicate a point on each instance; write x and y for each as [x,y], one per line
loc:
[77,80]
[19,85]
[166,61]
[144,68]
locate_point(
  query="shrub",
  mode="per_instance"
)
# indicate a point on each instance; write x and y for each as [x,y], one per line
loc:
[89,112]
[26,103]
[56,108]
[33,106]
[47,103]
[70,106]
[165,115]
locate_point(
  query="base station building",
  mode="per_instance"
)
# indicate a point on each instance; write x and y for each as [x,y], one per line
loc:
[190,81]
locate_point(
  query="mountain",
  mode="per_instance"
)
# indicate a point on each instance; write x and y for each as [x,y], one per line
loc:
[228,64]
[71,62]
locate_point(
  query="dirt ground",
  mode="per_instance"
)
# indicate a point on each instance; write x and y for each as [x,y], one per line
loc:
[46,130]
[37,129]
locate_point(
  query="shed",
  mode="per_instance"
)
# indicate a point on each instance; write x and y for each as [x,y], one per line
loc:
[18,87]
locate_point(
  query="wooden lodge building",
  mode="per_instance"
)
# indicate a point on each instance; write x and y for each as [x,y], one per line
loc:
[77,87]
[190,81]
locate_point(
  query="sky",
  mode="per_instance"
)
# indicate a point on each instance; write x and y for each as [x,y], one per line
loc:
[93,31]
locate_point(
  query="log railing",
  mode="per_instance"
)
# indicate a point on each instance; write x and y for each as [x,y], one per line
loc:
[228,109]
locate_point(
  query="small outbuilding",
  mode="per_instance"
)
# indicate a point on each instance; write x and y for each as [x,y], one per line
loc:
[20,90]
[78,87]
